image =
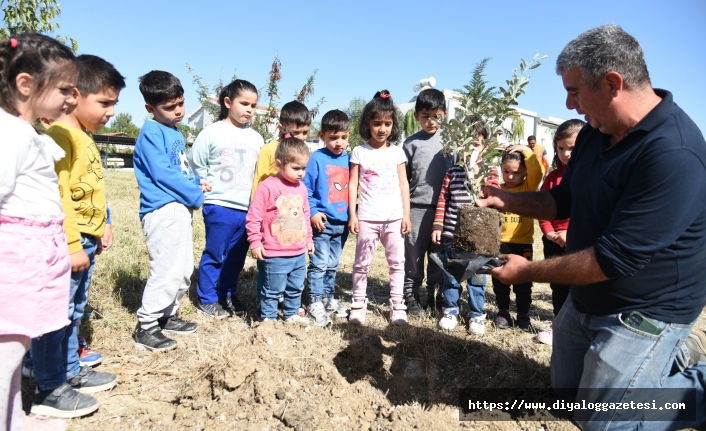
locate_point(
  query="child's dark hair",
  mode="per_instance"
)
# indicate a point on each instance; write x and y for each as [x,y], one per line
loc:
[383,105]
[479,127]
[159,86]
[515,156]
[565,130]
[231,91]
[42,57]
[96,75]
[296,113]
[335,121]
[289,149]
[430,99]
[531,138]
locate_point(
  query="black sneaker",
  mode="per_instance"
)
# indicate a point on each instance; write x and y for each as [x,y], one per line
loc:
[174,325]
[233,306]
[503,320]
[414,308]
[524,323]
[63,402]
[213,310]
[89,381]
[153,339]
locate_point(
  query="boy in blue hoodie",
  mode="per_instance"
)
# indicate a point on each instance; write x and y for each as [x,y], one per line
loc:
[169,192]
[326,180]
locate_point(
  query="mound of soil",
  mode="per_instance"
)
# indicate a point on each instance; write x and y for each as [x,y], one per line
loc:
[478,230]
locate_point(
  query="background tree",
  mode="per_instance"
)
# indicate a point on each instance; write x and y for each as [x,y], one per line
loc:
[121,123]
[411,125]
[517,130]
[32,16]
[490,105]
[354,112]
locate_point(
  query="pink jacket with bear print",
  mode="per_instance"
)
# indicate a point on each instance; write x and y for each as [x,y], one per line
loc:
[278,218]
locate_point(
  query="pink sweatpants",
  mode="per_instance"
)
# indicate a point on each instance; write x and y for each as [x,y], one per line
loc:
[370,232]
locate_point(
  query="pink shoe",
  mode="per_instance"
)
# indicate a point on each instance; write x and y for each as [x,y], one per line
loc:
[357,314]
[398,313]
[43,423]
[545,337]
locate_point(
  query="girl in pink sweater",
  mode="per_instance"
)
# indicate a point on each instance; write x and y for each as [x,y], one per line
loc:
[554,231]
[279,231]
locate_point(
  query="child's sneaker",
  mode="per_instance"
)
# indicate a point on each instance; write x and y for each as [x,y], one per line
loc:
[503,319]
[86,355]
[213,310]
[174,325]
[414,308]
[332,304]
[476,325]
[448,321]
[398,313]
[318,314]
[28,365]
[296,319]
[524,323]
[63,402]
[89,381]
[357,314]
[545,337]
[696,345]
[233,306]
[153,339]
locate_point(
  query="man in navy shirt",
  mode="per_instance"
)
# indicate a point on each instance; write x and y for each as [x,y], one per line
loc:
[636,246]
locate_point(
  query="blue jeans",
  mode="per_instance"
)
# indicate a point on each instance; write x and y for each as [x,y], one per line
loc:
[224,256]
[282,275]
[323,264]
[594,353]
[476,294]
[55,355]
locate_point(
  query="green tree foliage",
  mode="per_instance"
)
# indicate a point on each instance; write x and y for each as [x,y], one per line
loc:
[355,112]
[190,133]
[32,16]
[121,123]
[411,125]
[517,130]
[491,105]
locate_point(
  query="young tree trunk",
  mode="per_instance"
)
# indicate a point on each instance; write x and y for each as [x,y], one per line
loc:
[478,230]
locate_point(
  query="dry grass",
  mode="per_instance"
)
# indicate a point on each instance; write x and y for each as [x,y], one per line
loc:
[238,374]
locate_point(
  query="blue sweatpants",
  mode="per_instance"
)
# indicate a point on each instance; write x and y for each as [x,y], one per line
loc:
[224,256]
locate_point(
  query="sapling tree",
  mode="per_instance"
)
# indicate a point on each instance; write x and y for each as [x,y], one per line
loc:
[491,105]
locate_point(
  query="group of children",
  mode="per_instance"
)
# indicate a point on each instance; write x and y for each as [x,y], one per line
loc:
[277,200]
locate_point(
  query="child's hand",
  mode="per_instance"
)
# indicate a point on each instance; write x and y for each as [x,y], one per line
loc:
[406,225]
[436,236]
[310,248]
[317,221]
[205,186]
[516,148]
[79,261]
[353,225]
[258,253]
[561,238]
[107,240]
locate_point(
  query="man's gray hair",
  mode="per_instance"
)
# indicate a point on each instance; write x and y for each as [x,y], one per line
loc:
[604,49]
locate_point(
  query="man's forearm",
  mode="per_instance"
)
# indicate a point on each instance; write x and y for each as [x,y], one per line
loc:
[576,268]
[539,205]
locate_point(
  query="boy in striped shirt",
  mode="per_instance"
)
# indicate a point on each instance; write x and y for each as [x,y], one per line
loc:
[454,193]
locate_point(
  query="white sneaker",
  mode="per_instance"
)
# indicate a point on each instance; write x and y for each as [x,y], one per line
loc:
[332,304]
[318,314]
[476,325]
[398,313]
[357,314]
[448,322]
[297,319]
[545,337]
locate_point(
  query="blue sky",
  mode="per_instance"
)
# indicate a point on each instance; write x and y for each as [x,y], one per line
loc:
[363,46]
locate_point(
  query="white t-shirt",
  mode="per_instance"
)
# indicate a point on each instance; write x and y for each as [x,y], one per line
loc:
[29,188]
[225,155]
[380,197]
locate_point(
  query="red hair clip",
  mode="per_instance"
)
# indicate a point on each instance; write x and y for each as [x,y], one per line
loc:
[287,136]
[13,43]
[386,96]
